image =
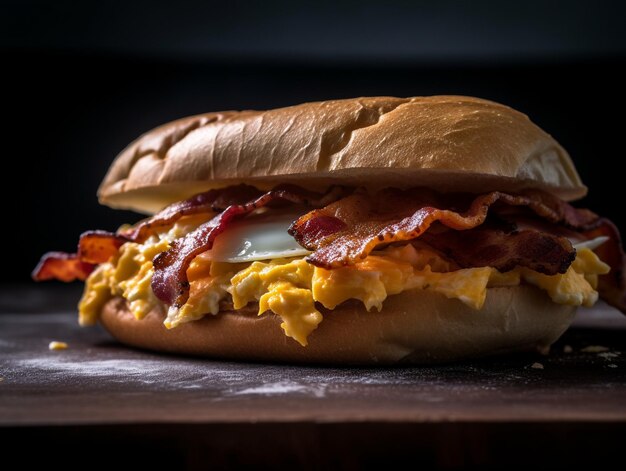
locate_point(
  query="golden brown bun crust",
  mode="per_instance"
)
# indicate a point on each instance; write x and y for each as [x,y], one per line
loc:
[442,141]
[414,327]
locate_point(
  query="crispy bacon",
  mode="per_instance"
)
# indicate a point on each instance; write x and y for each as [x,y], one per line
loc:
[486,246]
[61,266]
[556,210]
[94,247]
[169,281]
[349,229]
[208,202]
[98,246]
[215,201]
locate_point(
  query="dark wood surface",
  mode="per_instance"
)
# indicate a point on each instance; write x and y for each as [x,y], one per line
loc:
[97,384]
[99,381]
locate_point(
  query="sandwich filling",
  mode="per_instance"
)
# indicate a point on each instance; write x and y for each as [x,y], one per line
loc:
[296,253]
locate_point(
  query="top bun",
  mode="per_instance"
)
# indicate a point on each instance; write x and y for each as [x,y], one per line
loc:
[445,142]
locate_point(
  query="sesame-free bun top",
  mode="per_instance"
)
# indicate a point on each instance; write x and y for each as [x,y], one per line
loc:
[445,142]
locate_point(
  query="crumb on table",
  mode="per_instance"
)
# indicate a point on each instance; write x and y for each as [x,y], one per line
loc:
[595,349]
[55,345]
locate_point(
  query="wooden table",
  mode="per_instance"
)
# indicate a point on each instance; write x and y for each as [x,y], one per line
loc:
[101,399]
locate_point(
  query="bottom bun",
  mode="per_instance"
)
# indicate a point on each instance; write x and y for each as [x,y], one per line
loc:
[415,327]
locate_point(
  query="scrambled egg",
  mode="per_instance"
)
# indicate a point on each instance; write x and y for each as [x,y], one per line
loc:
[291,287]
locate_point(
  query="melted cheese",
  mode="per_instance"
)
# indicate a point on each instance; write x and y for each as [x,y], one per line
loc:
[291,287]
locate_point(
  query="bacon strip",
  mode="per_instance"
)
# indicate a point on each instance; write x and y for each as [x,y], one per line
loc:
[169,281]
[214,201]
[485,246]
[98,246]
[61,266]
[94,247]
[207,202]
[352,227]
[556,210]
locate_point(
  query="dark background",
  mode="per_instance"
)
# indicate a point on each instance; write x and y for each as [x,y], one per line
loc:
[82,79]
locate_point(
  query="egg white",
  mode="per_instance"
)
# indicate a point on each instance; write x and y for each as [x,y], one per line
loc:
[261,236]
